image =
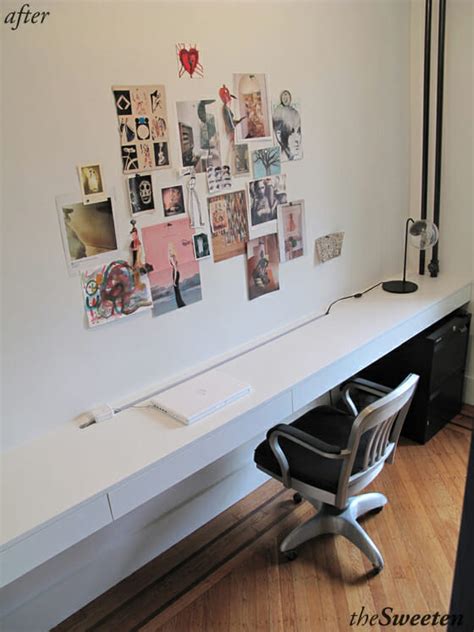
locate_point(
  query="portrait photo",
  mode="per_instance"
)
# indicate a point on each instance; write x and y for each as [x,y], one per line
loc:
[262,266]
[265,195]
[286,119]
[201,246]
[253,107]
[173,200]
[92,184]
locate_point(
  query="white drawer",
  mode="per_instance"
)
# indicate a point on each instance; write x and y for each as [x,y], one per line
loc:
[201,453]
[24,554]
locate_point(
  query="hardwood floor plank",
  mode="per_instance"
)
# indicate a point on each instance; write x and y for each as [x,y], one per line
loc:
[230,576]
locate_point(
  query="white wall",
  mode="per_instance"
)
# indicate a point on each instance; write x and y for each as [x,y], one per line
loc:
[456,245]
[348,61]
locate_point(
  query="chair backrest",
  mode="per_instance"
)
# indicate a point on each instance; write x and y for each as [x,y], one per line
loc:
[384,420]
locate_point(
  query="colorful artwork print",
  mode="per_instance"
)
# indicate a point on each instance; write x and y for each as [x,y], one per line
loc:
[266,162]
[143,127]
[286,120]
[175,280]
[92,184]
[140,191]
[291,230]
[198,134]
[87,230]
[173,200]
[201,246]
[229,225]
[329,246]
[252,98]
[112,293]
[218,178]
[188,61]
[262,266]
[266,194]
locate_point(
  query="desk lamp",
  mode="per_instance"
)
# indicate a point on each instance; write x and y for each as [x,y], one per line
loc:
[423,235]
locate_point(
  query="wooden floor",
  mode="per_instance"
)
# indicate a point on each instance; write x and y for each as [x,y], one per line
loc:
[229,576]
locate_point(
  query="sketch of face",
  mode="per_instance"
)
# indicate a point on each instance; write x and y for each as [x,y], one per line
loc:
[287,125]
[260,189]
[145,191]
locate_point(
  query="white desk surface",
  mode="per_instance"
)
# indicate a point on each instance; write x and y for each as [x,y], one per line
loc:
[63,469]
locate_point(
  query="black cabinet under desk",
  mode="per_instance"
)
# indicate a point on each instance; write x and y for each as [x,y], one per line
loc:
[438,355]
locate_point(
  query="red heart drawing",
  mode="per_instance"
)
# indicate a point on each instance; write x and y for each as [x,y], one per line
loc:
[189,59]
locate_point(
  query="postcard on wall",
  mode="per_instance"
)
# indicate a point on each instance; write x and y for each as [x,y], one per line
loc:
[92,184]
[87,230]
[198,134]
[241,163]
[286,119]
[218,178]
[140,193]
[266,194]
[114,291]
[229,225]
[253,107]
[262,266]
[291,230]
[143,127]
[329,246]
[266,162]
[175,280]
[202,248]
[189,61]
[173,200]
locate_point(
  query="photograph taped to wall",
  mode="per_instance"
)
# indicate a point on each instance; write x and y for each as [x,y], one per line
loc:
[218,178]
[202,248]
[198,134]
[87,230]
[140,193]
[229,225]
[241,164]
[253,107]
[92,183]
[114,291]
[143,127]
[291,230]
[329,246]
[173,200]
[262,266]
[265,195]
[286,120]
[175,280]
[266,162]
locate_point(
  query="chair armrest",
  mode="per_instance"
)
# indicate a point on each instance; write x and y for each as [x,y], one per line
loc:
[303,439]
[366,386]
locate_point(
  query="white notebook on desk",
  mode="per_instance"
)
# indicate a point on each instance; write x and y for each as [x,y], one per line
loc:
[200,396]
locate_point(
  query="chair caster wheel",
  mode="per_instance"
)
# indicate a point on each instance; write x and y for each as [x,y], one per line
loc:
[376,510]
[290,555]
[297,498]
[376,570]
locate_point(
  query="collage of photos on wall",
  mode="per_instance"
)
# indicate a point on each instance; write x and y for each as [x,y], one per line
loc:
[234,144]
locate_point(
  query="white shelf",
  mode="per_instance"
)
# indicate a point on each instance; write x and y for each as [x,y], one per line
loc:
[141,452]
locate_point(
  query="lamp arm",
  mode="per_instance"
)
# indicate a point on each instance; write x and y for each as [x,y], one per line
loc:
[410,219]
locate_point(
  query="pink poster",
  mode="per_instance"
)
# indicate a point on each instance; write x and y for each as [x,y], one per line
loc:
[175,280]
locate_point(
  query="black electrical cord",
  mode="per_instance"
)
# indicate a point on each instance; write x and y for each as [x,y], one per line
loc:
[357,295]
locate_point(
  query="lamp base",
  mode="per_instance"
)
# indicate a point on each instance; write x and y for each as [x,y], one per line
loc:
[399,287]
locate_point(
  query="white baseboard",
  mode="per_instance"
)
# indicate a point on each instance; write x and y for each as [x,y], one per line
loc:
[63,585]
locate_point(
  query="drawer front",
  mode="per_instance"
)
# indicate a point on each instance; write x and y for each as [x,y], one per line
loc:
[25,554]
[449,352]
[204,451]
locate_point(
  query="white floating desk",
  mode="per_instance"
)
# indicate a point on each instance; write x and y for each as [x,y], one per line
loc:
[68,484]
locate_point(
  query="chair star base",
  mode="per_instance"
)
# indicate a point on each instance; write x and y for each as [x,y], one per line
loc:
[330,519]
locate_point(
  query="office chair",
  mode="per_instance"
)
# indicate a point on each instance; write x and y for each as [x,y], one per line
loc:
[327,455]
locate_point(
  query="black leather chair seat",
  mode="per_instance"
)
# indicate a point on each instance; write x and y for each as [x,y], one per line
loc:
[328,424]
